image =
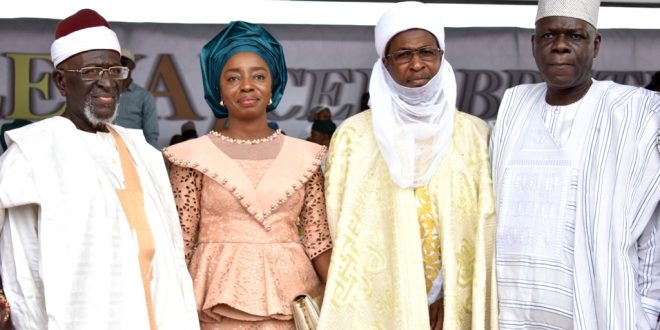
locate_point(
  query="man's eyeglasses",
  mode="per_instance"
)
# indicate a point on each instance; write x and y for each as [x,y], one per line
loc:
[425,54]
[95,73]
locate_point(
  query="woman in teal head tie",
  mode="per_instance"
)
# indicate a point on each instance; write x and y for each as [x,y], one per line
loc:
[243,192]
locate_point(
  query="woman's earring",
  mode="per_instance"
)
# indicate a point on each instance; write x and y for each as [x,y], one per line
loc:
[222,104]
[270,102]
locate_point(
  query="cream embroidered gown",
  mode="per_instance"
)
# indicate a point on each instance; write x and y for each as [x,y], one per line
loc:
[377,276]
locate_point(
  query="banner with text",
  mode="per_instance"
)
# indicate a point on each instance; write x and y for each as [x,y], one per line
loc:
[326,64]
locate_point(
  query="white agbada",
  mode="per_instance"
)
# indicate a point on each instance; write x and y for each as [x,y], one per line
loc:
[68,257]
[578,242]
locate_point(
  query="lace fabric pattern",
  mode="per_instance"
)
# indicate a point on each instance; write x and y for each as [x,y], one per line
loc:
[187,188]
[315,231]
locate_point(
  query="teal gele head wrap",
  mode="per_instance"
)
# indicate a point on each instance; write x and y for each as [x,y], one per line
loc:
[239,37]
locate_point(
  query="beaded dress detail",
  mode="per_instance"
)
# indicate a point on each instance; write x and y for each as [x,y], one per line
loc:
[239,202]
[254,141]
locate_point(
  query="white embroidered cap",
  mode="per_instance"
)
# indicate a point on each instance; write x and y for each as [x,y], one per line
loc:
[586,10]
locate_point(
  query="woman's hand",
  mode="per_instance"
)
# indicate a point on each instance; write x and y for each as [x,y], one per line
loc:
[321,264]
[437,314]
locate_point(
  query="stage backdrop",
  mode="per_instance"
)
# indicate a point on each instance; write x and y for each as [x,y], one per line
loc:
[326,64]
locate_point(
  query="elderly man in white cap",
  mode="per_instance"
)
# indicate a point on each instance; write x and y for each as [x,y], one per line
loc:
[576,171]
[409,194]
[90,234]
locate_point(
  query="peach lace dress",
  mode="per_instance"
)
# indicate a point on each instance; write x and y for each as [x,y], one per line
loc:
[240,203]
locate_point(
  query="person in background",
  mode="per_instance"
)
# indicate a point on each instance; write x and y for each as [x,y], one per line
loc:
[242,191]
[322,131]
[409,193]
[176,138]
[137,106]
[89,234]
[188,131]
[576,171]
[317,112]
[654,84]
[6,127]
[364,102]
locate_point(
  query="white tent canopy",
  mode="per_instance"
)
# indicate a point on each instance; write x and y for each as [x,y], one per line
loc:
[634,15]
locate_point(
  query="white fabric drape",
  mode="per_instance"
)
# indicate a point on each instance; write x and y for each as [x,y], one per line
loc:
[413,126]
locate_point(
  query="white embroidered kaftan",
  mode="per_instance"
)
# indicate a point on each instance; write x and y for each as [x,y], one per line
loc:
[578,223]
[68,257]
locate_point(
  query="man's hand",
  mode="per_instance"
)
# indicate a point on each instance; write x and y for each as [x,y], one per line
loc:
[437,314]
[5,323]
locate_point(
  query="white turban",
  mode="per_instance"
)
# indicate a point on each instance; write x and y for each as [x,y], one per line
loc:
[405,16]
[413,126]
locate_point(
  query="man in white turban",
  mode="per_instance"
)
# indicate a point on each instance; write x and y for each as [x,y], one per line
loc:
[89,232]
[409,194]
[576,171]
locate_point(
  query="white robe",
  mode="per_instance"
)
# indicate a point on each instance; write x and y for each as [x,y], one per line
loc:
[68,258]
[578,242]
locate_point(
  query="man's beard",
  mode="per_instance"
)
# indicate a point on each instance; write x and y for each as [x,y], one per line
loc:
[91,117]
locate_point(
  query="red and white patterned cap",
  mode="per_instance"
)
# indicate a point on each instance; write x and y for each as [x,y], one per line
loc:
[80,32]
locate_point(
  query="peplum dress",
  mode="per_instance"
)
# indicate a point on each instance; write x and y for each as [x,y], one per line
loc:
[253,216]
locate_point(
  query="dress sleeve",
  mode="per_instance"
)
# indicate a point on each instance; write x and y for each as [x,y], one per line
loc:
[187,187]
[316,235]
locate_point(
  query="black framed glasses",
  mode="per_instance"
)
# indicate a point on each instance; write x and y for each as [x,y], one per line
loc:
[428,53]
[95,72]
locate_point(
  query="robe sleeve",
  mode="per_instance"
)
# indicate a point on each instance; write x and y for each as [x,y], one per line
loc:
[484,286]
[649,267]
[648,198]
[336,176]
[496,147]
[20,259]
[492,149]
[316,235]
[187,188]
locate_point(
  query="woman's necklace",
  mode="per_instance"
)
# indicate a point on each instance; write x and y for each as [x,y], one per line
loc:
[241,141]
